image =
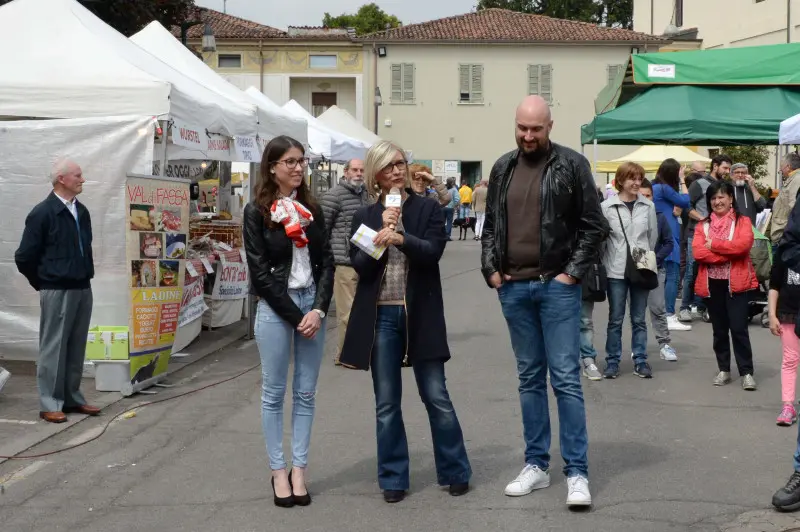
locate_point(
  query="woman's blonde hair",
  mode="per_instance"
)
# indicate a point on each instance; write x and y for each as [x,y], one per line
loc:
[379,156]
[416,167]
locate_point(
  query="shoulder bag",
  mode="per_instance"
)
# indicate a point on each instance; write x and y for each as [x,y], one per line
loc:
[639,273]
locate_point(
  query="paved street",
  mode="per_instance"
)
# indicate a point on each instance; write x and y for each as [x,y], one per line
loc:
[667,454]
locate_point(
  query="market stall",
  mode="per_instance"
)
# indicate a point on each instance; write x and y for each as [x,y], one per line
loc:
[651,157]
[340,120]
[324,140]
[137,298]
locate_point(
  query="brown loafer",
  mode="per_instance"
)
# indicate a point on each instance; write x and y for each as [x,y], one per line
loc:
[53,417]
[87,410]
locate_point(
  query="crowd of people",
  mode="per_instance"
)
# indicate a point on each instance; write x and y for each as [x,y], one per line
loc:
[552,246]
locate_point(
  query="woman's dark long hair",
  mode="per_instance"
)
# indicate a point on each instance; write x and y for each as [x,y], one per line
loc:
[267,190]
[669,174]
[726,187]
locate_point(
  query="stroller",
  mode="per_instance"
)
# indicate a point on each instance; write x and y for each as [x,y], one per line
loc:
[761,255]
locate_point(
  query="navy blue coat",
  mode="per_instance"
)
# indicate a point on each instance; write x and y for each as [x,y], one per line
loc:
[425,240]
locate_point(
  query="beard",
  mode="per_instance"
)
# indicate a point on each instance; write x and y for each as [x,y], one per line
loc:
[536,154]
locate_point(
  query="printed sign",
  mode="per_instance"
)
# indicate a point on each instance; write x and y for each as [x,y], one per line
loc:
[451,167]
[661,71]
[193,305]
[218,148]
[188,136]
[247,150]
[157,223]
[231,281]
[181,169]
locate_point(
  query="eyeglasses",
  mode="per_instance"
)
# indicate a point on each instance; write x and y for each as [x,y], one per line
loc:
[400,165]
[291,164]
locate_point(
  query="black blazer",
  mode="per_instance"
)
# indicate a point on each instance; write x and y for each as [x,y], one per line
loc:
[49,255]
[425,240]
[269,258]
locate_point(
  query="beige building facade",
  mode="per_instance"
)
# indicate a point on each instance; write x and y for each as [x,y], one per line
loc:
[449,88]
[722,22]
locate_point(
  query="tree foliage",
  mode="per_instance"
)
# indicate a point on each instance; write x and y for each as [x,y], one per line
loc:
[129,16]
[616,13]
[755,157]
[368,19]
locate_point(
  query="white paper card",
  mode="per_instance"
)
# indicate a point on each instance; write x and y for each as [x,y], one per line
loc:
[207,264]
[190,269]
[106,336]
[121,336]
[91,338]
[363,240]
[224,246]
[242,254]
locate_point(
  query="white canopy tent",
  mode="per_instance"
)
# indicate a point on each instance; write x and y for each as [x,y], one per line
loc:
[790,131]
[67,63]
[327,141]
[340,120]
[272,122]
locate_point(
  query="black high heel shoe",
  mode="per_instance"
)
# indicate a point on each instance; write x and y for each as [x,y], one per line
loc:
[299,500]
[282,502]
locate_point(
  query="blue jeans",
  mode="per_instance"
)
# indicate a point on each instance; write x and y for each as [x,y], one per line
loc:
[544,323]
[448,219]
[618,291]
[275,338]
[689,297]
[463,211]
[587,330]
[797,451]
[673,270]
[449,452]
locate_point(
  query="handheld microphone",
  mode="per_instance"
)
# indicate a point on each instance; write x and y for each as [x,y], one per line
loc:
[393,199]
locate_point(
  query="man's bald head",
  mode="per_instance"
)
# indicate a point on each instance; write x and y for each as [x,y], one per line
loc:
[533,125]
[699,167]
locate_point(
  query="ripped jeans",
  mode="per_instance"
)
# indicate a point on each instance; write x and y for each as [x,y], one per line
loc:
[276,341]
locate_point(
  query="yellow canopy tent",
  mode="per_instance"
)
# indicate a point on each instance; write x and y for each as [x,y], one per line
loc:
[651,157]
[236,179]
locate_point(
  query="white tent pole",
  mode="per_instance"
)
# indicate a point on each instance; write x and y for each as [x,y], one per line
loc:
[594,156]
[164,139]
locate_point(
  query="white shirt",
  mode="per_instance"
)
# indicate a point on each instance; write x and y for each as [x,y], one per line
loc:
[71,205]
[301,275]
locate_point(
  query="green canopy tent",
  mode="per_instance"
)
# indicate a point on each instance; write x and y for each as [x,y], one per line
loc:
[770,65]
[696,116]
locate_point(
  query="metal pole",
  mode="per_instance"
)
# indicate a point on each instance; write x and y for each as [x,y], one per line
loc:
[164,135]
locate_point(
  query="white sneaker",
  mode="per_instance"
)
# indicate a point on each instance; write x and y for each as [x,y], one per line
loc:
[578,491]
[4,376]
[530,478]
[668,353]
[674,325]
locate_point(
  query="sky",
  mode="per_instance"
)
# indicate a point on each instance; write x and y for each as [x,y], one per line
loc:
[283,13]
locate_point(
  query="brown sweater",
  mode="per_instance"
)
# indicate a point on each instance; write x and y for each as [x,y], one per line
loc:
[524,205]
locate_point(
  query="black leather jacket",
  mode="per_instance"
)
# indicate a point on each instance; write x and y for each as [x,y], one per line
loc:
[572,224]
[269,258]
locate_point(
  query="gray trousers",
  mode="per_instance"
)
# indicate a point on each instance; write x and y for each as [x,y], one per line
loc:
[63,328]
[656,302]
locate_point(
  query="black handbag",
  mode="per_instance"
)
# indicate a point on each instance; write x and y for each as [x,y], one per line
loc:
[643,278]
[595,284]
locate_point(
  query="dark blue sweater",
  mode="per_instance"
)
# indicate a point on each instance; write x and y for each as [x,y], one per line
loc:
[665,242]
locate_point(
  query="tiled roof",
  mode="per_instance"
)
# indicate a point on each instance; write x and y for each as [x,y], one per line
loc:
[319,33]
[511,26]
[229,27]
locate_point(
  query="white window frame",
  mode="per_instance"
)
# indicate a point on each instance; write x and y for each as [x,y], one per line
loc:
[540,82]
[229,56]
[333,66]
[403,83]
[471,83]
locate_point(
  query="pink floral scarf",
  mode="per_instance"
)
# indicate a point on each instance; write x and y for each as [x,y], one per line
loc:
[720,229]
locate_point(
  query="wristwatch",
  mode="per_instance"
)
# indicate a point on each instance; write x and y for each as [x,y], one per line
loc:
[321,313]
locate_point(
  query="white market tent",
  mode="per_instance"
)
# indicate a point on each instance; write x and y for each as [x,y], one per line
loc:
[790,131]
[64,62]
[340,120]
[651,157]
[325,140]
[272,122]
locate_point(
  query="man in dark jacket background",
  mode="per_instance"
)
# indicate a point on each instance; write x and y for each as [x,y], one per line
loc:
[338,205]
[542,232]
[748,199]
[55,255]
